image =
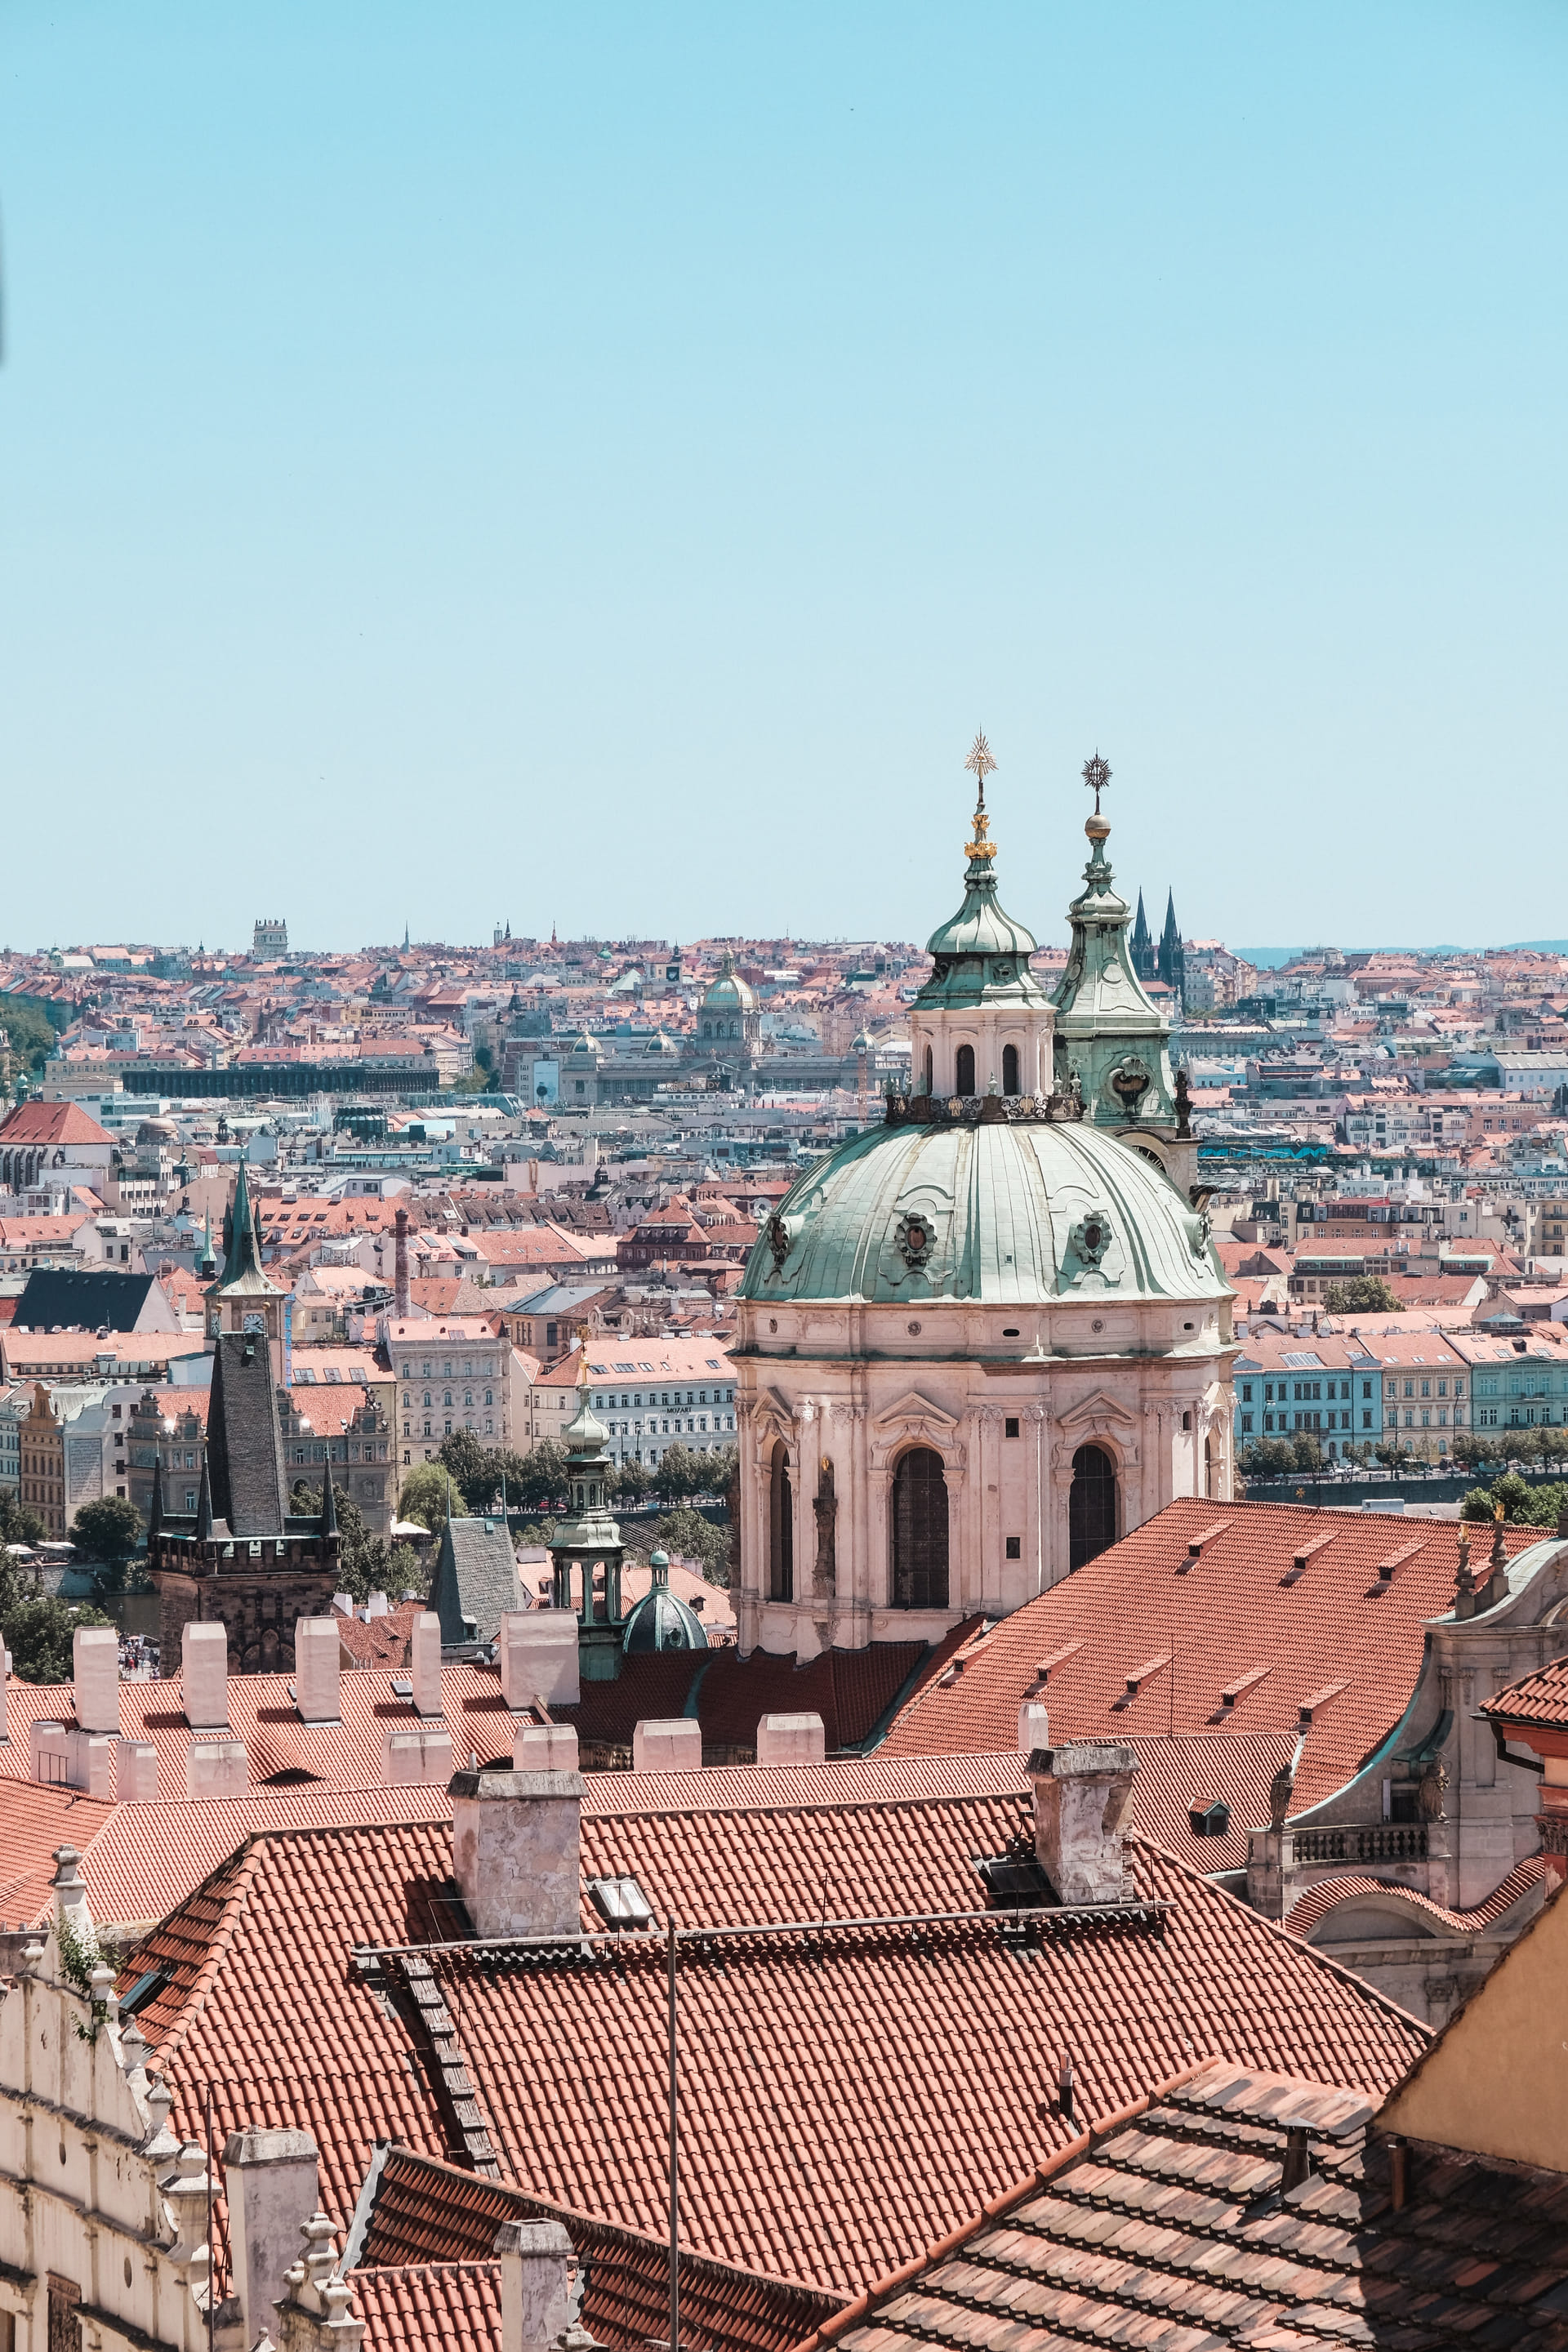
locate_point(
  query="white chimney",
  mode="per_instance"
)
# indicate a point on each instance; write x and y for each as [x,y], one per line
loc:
[422,1755]
[204,1677]
[538,1657]
[270,2179]
[1033,1726]
[535,2260]
[136,1772]
[672,1746]
[95,1667]
[424,1663]
[376,1606]
[789,1739]
[517,1851]
[544,1748]
[216,1768]
[316,1669]
[1081,1795]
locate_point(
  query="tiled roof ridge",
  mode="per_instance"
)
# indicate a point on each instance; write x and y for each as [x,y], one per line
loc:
[1037,2177]
[645,2241]
[1330,1893]
[797,1804]
[241,1867]
[1361,1986]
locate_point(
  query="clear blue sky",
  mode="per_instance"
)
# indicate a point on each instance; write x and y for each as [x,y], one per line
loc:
[599,464]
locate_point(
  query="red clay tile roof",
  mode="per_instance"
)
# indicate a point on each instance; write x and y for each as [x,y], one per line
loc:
[52,1122]
[1239,1607]
[380,1641]
[454,2304]
[1174,2231]
[343,1754]
[852,1690]
[1541,1698]
[425,2212]
[138,1866]
[1310,1909]
[846,2090]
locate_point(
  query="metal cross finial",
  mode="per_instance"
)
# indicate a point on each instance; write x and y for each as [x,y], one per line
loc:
[981,762]
[1096,775]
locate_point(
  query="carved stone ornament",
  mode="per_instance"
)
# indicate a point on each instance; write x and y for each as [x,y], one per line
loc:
[778,1241]
[1091,1238]
[1129,1082]
[1431,1789]
[914,1238]
[1281,1788]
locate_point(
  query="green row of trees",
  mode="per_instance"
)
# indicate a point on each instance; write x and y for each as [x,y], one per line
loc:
[35,1627]
[471,1479]
[1522,1506]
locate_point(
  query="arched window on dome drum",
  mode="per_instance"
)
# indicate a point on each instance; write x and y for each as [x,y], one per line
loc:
[919,1531]
[1208,1468]
[781,1527]
[1092,1506]
[1009,1069]
[964,1071]
[928,1069]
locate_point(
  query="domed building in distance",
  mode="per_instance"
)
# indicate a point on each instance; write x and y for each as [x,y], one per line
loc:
[980,1341]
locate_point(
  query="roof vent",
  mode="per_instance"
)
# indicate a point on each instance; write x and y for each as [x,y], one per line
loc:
[1210,1820]
[1013,1882]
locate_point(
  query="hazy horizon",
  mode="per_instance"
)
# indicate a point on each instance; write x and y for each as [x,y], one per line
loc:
[599,466]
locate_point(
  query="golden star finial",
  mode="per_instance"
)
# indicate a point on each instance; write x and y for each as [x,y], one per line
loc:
[981,764]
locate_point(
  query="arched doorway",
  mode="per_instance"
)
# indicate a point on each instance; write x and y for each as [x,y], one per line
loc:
[964,1071]
[919,1531]
[1092,1506]
[1009,1069]
[781,1527]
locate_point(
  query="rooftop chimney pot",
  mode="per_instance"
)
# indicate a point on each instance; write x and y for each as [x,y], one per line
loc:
[316,1669]
[537,1650]
[785,1740]
[424,1663]
[535,2260]
[204,1677]
[95,1667]
[517,1851]
[1081,1796]
[671,1746]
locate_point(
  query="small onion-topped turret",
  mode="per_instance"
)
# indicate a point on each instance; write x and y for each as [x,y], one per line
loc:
[982,1023]
[585,1549]
[661,1619]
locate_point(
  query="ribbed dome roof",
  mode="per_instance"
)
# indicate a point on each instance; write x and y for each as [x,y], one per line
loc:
[730,993]
[1013,1212]
[661,1621]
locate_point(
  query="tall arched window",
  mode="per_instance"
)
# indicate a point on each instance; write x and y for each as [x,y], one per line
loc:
[1208,1467]
[928,1069]
[1009,1069]
[781,1527]
[1092,1506]
[964,1071]
[919,1531]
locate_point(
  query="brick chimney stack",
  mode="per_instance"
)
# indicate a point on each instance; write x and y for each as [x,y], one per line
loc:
[400,1266]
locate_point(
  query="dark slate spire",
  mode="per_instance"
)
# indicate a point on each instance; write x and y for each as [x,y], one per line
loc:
[1172,965]
[329,1526]
[1142,947]
[239,1236]
[205,1506]
[245,1446]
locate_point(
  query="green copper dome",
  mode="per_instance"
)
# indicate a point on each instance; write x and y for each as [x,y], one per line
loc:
[1010,1212]
[730,993]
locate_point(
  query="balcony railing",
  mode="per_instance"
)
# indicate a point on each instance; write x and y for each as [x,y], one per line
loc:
[1388,1842]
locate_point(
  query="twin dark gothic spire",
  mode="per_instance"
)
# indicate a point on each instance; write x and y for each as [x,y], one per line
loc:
[1167,961]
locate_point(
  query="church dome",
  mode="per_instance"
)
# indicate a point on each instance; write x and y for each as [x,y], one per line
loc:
[1006,1211]
[730,993]
[661,1621]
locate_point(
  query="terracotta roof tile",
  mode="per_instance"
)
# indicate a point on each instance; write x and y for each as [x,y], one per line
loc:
[845,2090]
[1241,1607]
[422,2211]
[1173,2229]
[1310,1909]
[1541,1698]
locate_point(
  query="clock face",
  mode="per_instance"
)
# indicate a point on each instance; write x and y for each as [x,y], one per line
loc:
[254,1323]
